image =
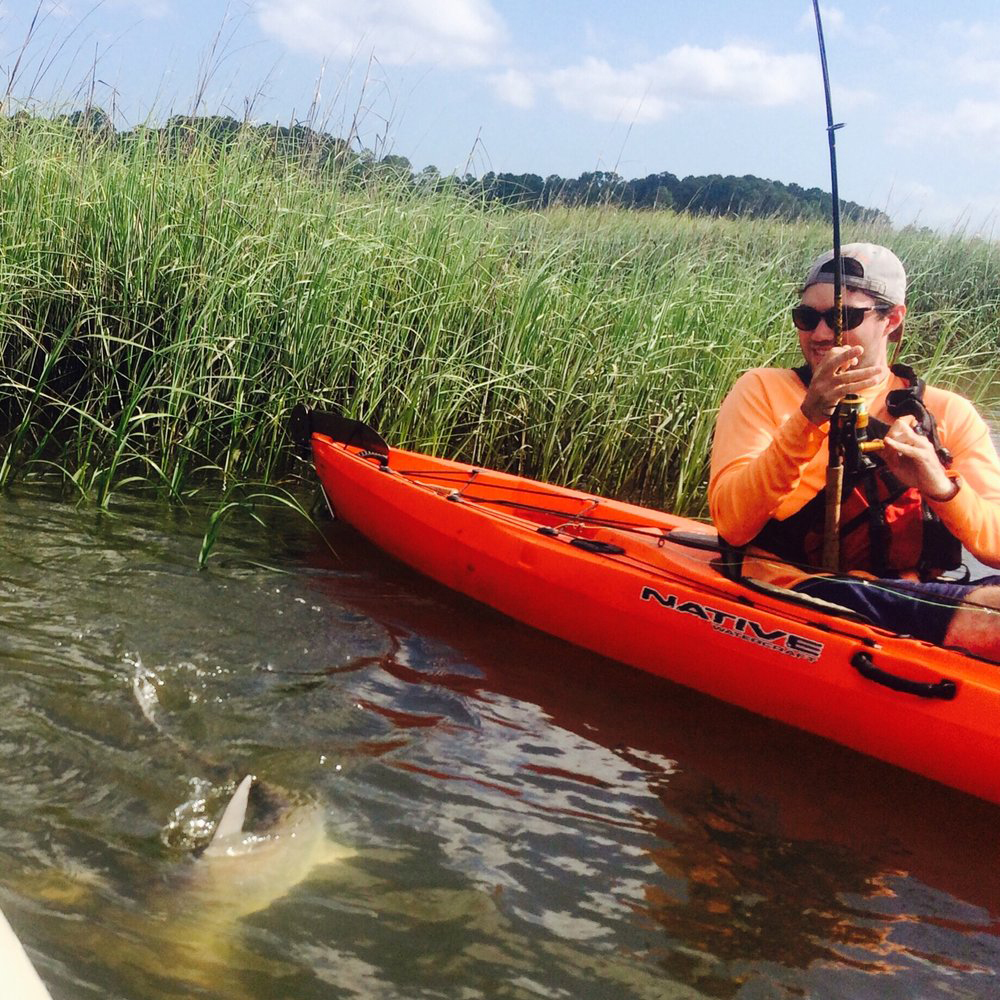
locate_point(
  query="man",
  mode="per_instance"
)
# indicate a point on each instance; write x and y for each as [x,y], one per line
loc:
[934,484]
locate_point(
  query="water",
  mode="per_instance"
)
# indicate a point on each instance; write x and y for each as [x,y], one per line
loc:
[526,820]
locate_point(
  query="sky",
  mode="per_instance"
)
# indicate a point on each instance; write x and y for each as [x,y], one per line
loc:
[562,86]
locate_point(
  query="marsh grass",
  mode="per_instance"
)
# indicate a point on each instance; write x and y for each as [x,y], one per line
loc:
[163,309]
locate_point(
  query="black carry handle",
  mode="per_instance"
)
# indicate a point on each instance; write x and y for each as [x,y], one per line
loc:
[303,422]
[596,545]
[943,689]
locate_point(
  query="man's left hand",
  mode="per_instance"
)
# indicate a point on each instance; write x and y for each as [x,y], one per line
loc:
[912,460]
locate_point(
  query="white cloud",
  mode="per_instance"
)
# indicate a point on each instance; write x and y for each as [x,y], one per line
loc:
[607,94]
[652,90]
[915,191]
[593,36]
[832,17]
[976,119]
[979,34]
[921,204]
[850,99]
[970,55]
[514,87]
[865,32]
[971,126]
[737,72]
[978,70]
[963,114]
[457,33]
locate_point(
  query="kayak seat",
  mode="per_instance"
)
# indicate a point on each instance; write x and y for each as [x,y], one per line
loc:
[695,539]
[805,600]
[710,542]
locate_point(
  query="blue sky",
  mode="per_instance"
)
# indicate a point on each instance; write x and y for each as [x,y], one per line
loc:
[553,86]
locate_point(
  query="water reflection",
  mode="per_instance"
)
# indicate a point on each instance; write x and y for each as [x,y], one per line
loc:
[528,820]
[774,852]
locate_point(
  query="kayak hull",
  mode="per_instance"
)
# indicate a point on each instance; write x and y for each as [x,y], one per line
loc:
[607,576]
[19,976]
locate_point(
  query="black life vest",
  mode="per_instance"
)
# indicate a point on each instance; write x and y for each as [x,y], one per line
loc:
[887,529]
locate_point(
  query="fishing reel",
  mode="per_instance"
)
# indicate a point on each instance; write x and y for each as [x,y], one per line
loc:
[850,423]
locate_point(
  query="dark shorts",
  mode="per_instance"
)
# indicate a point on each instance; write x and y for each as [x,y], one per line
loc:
[922,610]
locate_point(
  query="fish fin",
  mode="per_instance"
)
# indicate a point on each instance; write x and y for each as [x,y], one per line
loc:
[231,824]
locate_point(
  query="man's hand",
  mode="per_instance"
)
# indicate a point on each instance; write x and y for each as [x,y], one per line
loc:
[837,375]
[911,458]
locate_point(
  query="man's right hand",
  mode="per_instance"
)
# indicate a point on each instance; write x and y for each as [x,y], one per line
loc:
[838,374]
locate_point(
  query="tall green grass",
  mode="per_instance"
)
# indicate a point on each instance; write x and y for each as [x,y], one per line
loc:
[161,312]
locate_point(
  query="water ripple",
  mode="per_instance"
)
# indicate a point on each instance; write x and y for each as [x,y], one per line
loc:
[530,821]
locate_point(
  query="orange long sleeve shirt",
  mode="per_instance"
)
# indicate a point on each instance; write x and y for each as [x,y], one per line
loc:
[768,461]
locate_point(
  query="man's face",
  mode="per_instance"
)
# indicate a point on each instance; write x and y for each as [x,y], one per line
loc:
[872,335]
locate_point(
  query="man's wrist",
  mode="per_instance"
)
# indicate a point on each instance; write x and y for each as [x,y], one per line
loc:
[817,419]
[954,485]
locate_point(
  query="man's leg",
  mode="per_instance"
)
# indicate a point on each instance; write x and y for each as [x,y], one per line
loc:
[946,614]
[975,625]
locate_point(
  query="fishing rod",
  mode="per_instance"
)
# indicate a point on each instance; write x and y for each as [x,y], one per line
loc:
[831,133]
[848,425]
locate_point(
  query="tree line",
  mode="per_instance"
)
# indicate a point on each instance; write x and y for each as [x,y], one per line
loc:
[713,195]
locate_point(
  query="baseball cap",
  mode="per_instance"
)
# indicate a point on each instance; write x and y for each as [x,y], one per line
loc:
[867,267]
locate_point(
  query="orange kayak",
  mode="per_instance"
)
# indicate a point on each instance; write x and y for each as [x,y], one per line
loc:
[646,588]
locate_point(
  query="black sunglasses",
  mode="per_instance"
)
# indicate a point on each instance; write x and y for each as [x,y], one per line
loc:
[807,319]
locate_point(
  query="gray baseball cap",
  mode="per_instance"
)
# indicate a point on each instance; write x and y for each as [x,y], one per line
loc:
[867,267]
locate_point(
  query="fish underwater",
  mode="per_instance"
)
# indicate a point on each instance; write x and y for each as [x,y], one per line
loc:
[172,923]
[243,872]
[182,933]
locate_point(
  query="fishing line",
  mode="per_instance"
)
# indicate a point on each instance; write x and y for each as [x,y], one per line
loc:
[458,476]
[644,531]
[661,535]
[635,562]
[873,584]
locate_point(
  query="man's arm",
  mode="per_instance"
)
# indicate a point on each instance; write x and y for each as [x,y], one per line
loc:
[763,444]
[973,513]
